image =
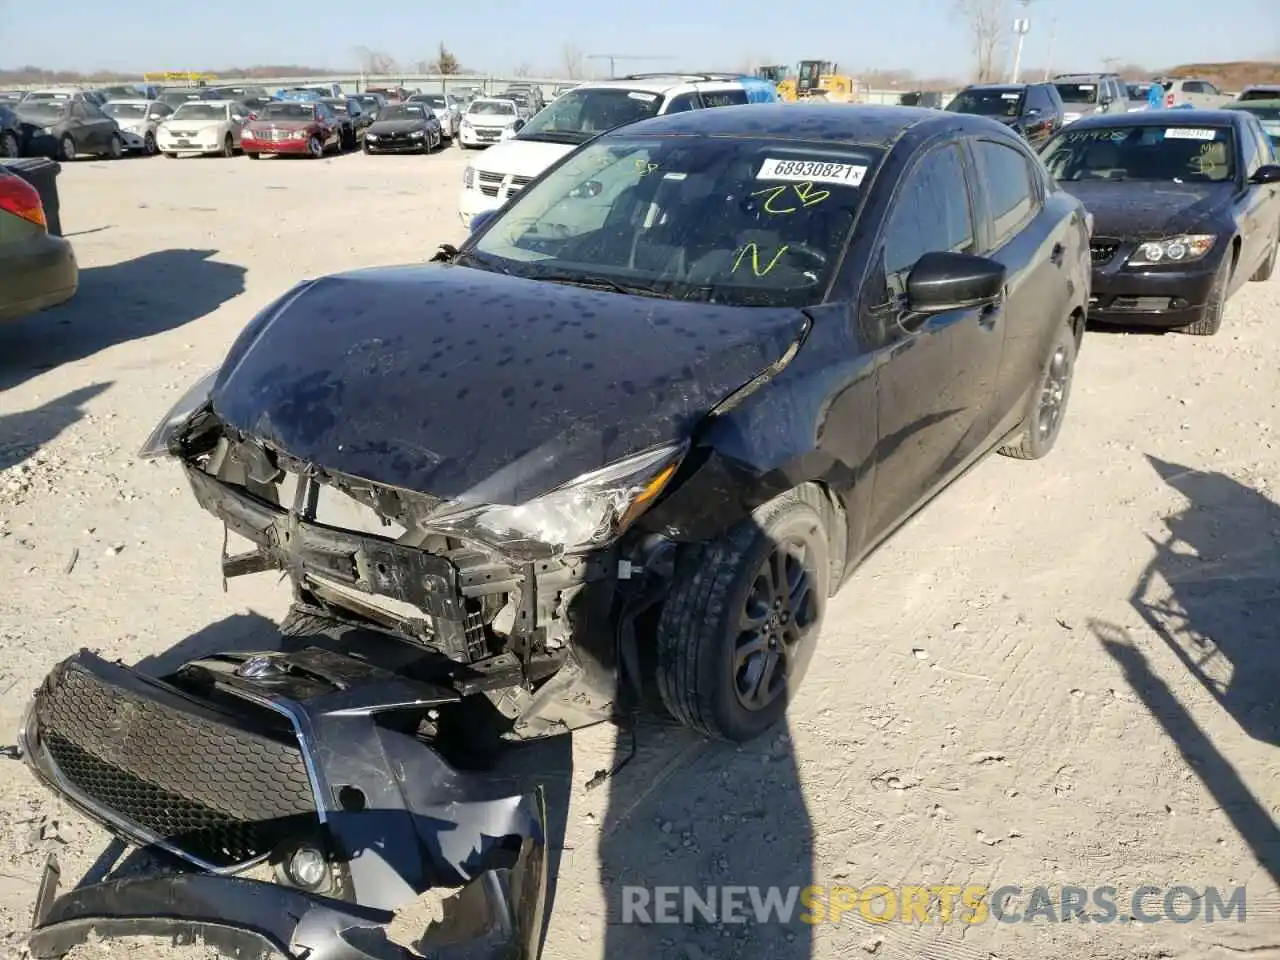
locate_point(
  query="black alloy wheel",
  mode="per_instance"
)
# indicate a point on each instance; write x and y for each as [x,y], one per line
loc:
[1047,405]
[740,625]
[776,617]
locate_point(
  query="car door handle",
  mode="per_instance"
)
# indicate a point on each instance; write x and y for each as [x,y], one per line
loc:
[1056,254]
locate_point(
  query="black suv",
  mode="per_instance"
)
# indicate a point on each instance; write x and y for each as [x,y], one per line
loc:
[1035,110]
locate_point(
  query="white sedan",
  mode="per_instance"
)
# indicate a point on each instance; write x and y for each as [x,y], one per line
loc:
[138,120]
[203,127]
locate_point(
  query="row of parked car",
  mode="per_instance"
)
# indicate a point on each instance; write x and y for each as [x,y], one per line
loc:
[308,120]
[1040,110]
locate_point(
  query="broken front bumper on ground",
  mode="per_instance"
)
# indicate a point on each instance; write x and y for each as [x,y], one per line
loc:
[295,759]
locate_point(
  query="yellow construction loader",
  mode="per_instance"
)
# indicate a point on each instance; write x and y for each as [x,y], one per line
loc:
[813,80]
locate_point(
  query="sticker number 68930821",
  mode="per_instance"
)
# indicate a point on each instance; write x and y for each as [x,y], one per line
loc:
[815,171]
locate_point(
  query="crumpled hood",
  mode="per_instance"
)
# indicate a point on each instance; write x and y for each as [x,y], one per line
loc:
[1128,210]
[465,384]
[397,126]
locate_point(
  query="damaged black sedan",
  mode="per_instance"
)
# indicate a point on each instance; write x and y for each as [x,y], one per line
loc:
[631,436]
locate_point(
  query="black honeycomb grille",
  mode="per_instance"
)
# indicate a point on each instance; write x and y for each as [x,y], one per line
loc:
[216,791]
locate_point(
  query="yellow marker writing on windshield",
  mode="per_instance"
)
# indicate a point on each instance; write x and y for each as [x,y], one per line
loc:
[645,167]
[754,250]
[805,191]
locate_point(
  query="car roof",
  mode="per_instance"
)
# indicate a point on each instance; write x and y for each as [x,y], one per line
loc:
[1248,104]
[1072,77]
[1160,118]
[219,102]
[136,101]
[655,83]
[866,125]
[999,86]
[494,100]
[1262,86]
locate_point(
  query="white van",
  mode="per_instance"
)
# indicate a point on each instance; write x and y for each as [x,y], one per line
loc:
[585,111]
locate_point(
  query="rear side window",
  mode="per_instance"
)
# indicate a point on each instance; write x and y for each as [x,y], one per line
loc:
[930,213]
[686,101]
[1009,184]
[723,98]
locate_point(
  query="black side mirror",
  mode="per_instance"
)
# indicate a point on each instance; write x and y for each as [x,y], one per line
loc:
[953,281]
[1267,173]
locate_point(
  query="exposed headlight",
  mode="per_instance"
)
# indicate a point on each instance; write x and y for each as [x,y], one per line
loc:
[588,512]
[466,123]
[301,135]
[1179,249]
[418,134]
[468,178]
[197,394]
[48,130]
[371,136]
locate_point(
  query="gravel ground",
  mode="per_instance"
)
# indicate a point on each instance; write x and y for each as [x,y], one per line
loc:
[1062,672]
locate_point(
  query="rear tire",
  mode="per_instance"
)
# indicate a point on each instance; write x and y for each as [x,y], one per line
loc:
[228,147]
[149,145]
[172,156]
[115,148]
[1210,321]
[1047,407]
[252,156]
[739,627]
[1268,267]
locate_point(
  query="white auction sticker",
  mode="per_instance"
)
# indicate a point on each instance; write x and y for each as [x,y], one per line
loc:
[646,97]
[1010,96]
[1190,133]
[812,171]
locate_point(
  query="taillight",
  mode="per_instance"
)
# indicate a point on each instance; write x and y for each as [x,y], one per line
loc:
[21,199]
[1168,99]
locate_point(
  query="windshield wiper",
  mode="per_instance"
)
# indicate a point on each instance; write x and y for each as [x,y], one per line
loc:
[601,283]
[552,137]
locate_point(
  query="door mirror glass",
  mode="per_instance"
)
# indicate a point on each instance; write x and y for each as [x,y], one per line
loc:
[952,281]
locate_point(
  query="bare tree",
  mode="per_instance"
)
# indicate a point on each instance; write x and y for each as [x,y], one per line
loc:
[573,60]
[523,69]
[375,61]
[446,64]
[987,21]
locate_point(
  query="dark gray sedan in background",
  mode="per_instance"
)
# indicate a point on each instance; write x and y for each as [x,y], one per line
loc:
[64,129]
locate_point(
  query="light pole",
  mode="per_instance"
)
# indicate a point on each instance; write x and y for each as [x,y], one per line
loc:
[1021,26]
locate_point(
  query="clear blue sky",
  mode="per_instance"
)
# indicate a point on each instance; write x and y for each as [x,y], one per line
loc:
[925,36]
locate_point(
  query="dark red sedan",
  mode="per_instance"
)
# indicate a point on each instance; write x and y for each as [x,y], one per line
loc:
[305,128]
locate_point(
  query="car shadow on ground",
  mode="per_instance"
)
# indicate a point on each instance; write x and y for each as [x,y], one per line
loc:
[1211,593]
[22,434]
[126,301]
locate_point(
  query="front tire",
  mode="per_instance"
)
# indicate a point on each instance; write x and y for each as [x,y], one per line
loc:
[9,146]
[252,156]
[1210,321]
[67,148]
[149,145]
[1047,407]
[315,148]
[115,148]
[738,629]
[228,147]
